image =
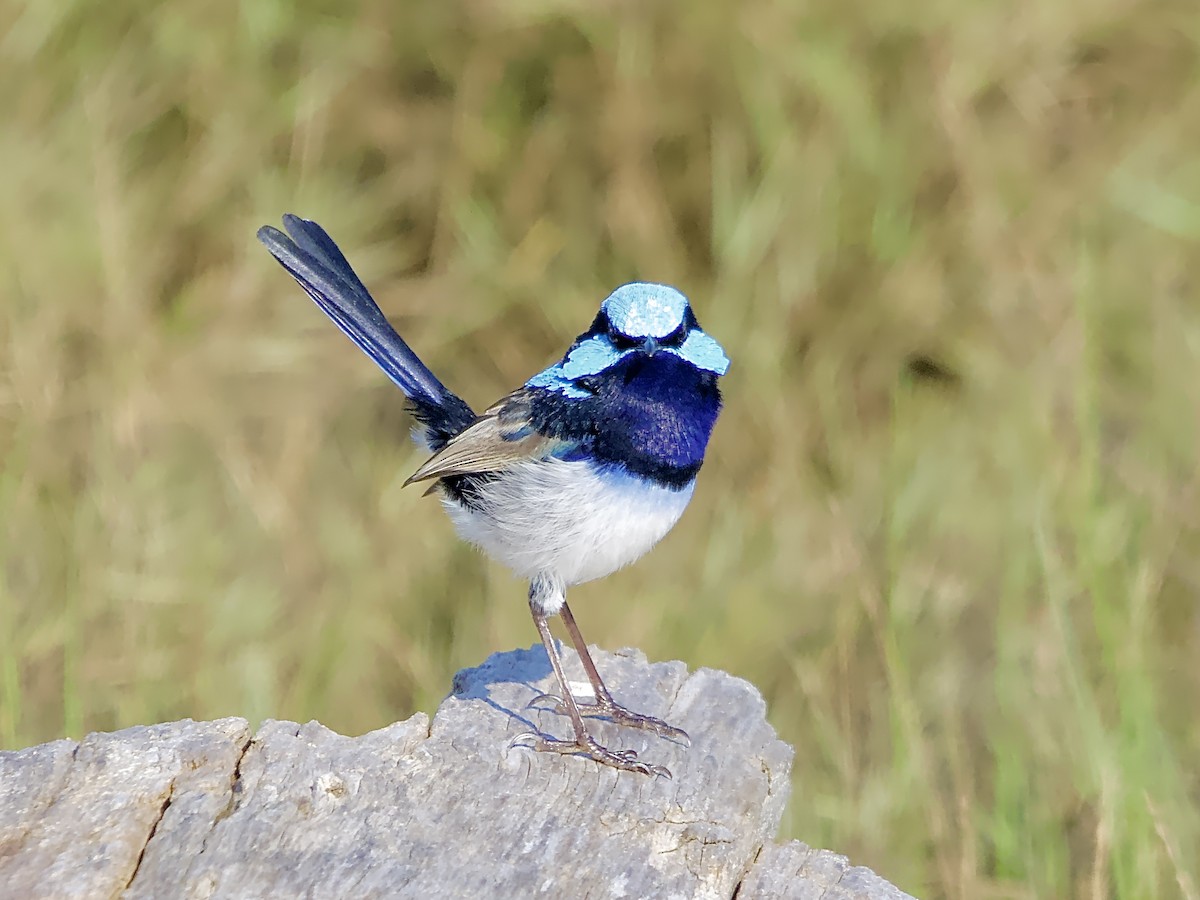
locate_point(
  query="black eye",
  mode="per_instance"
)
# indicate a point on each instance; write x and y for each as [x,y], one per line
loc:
[622,341]
[675,338]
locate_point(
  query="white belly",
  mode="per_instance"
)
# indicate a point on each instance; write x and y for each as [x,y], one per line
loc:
[568,520]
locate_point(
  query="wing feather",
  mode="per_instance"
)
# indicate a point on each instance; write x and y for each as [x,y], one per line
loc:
[499,439]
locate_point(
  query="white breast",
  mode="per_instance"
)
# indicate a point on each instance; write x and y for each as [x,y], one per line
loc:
[568,520]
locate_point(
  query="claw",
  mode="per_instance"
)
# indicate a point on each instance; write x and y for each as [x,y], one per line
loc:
[608,709]
[558,703]
[519,740]
[626,760]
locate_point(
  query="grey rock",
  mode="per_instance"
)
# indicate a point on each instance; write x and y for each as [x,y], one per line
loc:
[795,871]
[448,808]
[75,818]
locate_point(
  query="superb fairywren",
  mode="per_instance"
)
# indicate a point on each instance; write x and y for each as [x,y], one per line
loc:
[570,477]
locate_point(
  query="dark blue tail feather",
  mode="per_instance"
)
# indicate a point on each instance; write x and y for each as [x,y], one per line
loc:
[314,260]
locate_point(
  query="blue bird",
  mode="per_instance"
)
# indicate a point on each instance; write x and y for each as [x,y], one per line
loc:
[573,475]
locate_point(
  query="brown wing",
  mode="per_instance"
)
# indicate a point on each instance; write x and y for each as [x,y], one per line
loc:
[499,439]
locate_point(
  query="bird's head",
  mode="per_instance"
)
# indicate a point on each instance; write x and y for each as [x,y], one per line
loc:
[638,318]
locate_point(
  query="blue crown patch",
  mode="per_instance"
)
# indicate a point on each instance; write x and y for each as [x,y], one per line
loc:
[645,310]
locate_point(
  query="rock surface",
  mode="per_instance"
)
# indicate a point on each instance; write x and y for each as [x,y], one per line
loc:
[421,809]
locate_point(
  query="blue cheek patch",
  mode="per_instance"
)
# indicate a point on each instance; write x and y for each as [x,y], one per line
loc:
[645,310]
[702,352]
[597,354]
[591,357]
[552,379]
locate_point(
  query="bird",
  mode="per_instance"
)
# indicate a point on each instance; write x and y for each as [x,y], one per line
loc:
[573,475]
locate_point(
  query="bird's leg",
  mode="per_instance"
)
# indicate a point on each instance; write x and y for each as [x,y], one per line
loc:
[542,597]
[605,706]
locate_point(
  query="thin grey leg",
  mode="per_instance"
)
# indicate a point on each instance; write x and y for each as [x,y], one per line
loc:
[583,744]
[605,706]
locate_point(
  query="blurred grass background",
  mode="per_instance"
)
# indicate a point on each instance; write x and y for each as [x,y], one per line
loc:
[949,524]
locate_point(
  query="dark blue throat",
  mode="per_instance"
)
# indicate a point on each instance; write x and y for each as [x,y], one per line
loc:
[651,415]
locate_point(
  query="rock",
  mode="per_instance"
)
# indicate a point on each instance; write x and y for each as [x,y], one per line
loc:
[798,872]
[419,809]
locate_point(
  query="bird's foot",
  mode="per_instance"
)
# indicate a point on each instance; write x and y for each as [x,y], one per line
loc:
[607,708]
[626,760]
